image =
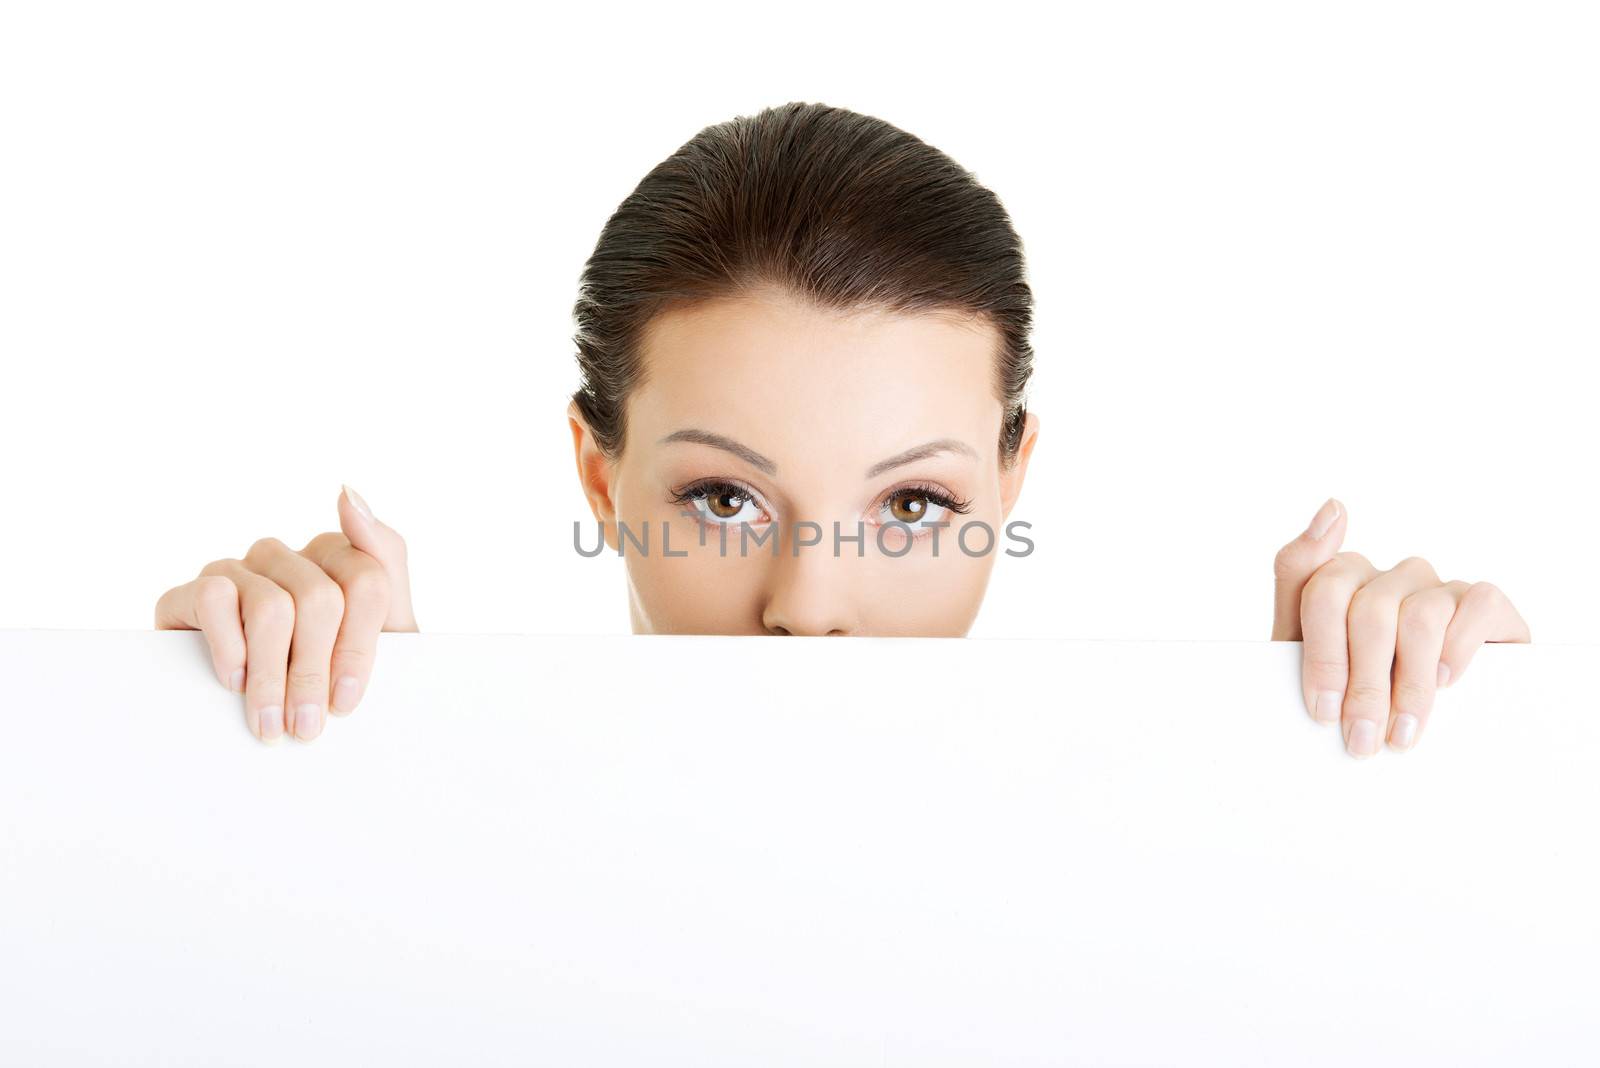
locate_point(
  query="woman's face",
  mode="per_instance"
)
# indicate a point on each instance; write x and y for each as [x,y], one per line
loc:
[764,417]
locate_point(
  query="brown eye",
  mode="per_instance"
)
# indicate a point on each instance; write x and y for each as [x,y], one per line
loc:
[724,504]
[908,507]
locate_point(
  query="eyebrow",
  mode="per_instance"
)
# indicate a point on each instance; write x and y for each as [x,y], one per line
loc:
[922,452]
[756,460]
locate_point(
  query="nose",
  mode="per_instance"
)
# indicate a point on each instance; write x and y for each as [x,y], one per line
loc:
[811,594]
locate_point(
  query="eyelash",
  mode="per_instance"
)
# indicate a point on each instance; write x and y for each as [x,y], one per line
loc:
[958,505]
[714,486]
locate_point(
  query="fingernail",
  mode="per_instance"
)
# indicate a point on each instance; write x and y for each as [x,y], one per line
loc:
[1444,673]
[346,692]
[355,499]
[271,717]
[237,681]
[1323,519]
[1405,730]
[1328,704]
[1363,738]
[308,721]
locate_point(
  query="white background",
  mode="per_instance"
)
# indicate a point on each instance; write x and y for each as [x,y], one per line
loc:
[496,861]
[1281,252]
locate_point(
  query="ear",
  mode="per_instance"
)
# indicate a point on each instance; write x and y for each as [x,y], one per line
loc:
[595,473]
[1011,478]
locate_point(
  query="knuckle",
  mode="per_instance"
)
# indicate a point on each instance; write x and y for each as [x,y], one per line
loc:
[275,609]
[1419,565]
[301,679]
[1418,616]
[1367,694]
[1369,608]
[1485,591]
[1409,696]
[1321,583]
[264,546]
[328,539]
[263,676]
[1416,628]
[352,659]
[211,589]
[368,587]
[325,598]
[1325,670]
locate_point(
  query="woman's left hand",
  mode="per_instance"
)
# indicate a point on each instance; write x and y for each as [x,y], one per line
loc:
[1360,624]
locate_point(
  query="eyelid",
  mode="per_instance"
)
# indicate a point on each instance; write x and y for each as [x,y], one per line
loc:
[958,505]
[709,482]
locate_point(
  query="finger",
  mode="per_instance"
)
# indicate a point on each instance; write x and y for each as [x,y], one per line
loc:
[318,611]
[1297,561]
[384,544]
[1424,615]
[209,604]
[1374,621]
[1485,614]
[268,613]
[366,606]
[1324,606]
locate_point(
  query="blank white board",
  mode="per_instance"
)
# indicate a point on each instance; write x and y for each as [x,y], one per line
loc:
[801,851]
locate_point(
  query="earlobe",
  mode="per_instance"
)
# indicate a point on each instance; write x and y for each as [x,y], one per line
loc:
[594,472]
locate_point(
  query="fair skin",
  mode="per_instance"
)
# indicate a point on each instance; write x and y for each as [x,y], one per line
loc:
[859,391]
[803,415]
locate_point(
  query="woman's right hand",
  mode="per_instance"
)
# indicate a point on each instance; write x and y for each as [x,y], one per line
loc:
[296,632]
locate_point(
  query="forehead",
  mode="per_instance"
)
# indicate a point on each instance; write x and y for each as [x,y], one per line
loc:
[772,369]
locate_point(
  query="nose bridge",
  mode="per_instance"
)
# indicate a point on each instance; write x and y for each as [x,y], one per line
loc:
[813,592]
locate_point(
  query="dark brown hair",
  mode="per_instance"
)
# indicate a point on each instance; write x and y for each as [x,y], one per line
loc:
[839,208]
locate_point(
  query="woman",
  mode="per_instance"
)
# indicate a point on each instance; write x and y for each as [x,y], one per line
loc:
[810,327]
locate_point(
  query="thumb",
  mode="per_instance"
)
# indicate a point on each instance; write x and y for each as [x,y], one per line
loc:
[384,544]
[1298,560]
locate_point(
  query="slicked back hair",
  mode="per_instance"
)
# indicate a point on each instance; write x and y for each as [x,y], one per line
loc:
[838,208]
